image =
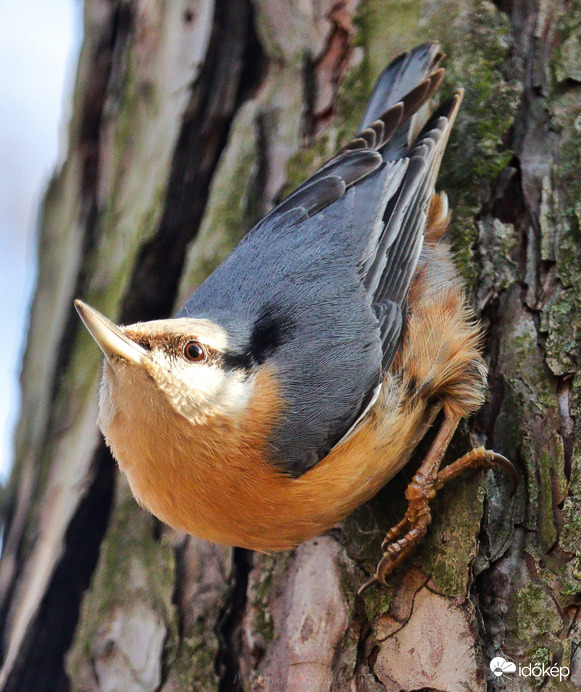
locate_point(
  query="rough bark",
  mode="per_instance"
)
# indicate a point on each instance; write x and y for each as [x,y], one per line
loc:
[190,119]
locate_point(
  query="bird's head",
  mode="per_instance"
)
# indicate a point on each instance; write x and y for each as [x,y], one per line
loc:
[183,365]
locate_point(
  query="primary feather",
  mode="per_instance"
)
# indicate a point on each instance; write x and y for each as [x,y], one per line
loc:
[319,286]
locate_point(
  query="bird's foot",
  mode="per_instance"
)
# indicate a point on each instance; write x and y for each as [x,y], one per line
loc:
[401,540]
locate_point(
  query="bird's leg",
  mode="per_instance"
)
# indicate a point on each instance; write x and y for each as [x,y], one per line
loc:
[403,538]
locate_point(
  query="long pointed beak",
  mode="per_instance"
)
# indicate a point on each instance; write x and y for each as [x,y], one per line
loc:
[109,337]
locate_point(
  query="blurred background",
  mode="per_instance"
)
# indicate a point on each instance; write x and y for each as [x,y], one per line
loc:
[39,44]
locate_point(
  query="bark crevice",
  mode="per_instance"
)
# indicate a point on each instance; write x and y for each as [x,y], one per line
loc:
[41,665]
[230,624]
[227,79]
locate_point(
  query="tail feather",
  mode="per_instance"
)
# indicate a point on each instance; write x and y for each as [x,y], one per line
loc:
[400,78]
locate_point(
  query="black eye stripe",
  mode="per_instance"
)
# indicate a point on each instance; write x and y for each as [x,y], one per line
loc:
[174,346]
[238,361]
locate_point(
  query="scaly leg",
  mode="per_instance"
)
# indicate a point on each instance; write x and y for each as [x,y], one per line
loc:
[402,539]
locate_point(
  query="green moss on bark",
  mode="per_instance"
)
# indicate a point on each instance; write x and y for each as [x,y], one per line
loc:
[261,590]
[451,544]
[195,664]
[477,41]
[233,204]
[566,61]
[561,315]
[537,614]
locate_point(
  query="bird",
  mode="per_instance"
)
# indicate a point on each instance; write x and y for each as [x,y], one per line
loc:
[301,375]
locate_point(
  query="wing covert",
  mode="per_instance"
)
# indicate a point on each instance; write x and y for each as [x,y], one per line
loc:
[333,263]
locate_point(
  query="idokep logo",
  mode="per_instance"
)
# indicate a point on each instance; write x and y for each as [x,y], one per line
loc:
[500,666]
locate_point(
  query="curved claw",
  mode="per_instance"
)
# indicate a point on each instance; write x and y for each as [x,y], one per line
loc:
[368,584]
[508,467]
[391,558]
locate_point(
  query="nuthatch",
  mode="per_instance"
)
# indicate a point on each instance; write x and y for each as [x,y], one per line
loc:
[300,376]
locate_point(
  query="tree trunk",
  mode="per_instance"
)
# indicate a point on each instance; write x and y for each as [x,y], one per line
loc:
[190,119]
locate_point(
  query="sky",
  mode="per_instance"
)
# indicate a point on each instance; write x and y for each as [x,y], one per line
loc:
[39,44]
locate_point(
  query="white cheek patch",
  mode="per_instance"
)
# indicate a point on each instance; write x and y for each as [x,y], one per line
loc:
[238,392]
[199,391]
[205,380]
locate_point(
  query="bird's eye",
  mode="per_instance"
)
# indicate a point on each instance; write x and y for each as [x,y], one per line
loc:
[194,352]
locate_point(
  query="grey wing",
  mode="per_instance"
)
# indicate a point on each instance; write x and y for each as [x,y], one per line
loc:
[405,85]
[388,263]
[385,181]
[325,275]
[391,255]
[390,320]
[399,78]
[393,203]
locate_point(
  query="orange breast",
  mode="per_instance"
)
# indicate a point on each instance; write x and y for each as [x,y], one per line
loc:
[216,483]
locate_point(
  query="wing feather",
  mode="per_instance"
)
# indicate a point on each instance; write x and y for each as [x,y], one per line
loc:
[391,262]
[327,272]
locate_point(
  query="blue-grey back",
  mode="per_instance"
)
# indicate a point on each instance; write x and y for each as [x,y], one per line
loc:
[293,295]
[318,288]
